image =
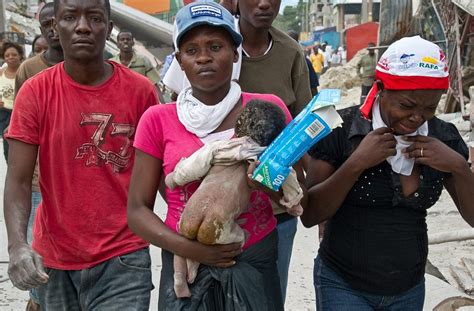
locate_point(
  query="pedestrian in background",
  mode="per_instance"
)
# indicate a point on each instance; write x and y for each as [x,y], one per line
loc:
[342,54]
[366,71]
[13,54]
[313,78]
[326,51]
[39,45]
[335,59]
[317,60]
[138,63]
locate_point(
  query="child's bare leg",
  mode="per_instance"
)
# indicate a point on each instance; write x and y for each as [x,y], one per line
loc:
[193,267]
[181,288]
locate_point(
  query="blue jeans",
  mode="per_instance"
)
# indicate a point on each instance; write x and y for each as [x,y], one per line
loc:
[120,283]
[35,201]
[5,116]
[335,294]
[286,236]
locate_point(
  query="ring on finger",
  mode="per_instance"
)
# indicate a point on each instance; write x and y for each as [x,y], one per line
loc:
[421,152]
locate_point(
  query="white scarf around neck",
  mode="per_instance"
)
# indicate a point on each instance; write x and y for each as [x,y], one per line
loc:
[400,164]
[201,119]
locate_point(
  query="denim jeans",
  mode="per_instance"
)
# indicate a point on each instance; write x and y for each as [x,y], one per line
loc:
[35,201]
[5,116]
[286,236]
[120,283]
[335,294]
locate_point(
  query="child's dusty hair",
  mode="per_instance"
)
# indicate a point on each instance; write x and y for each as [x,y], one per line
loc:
[260,120]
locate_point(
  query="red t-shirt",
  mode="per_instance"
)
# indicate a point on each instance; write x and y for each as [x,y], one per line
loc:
[85,136]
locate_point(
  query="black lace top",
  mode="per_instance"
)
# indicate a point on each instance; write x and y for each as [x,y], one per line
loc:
[377,241]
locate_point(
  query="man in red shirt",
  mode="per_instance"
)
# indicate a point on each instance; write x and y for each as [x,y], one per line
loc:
[80,117]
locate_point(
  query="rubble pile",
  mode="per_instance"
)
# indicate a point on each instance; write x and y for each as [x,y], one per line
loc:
[22,24]
[343,77]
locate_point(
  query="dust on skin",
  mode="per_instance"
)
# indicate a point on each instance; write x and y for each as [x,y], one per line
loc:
[210,213]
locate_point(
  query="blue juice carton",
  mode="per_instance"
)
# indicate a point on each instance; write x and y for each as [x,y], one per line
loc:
[316,121]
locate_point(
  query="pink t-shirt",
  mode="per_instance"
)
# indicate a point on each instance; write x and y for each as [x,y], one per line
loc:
[162,135]
[85,136]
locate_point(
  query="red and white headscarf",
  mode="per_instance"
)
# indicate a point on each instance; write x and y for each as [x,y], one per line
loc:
[410,63]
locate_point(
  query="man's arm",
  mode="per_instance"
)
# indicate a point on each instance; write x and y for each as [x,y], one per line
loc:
[26,268]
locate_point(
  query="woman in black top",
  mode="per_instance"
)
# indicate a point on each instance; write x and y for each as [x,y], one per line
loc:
[374,179]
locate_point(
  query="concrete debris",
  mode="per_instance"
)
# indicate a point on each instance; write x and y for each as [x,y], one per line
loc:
[346,79]
[22,24]
[343,77]
[450,236]
[462,275]
[457,119]
[469,264]
[441,296]
[455,303]
[441,105]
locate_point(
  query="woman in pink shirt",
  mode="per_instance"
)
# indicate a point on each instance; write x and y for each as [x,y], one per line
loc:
[229,275]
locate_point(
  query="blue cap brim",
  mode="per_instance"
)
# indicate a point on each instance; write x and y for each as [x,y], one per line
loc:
[236,37]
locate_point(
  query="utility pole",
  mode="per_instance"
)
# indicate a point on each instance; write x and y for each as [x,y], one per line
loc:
[363,12]
[370,9]
[3,25]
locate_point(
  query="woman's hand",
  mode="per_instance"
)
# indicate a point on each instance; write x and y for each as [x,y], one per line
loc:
[253,184]
[256,186]
[433,153]
[221,256]
[376,147]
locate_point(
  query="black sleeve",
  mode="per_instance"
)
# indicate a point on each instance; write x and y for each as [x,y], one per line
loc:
[331,148]
[458,144]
